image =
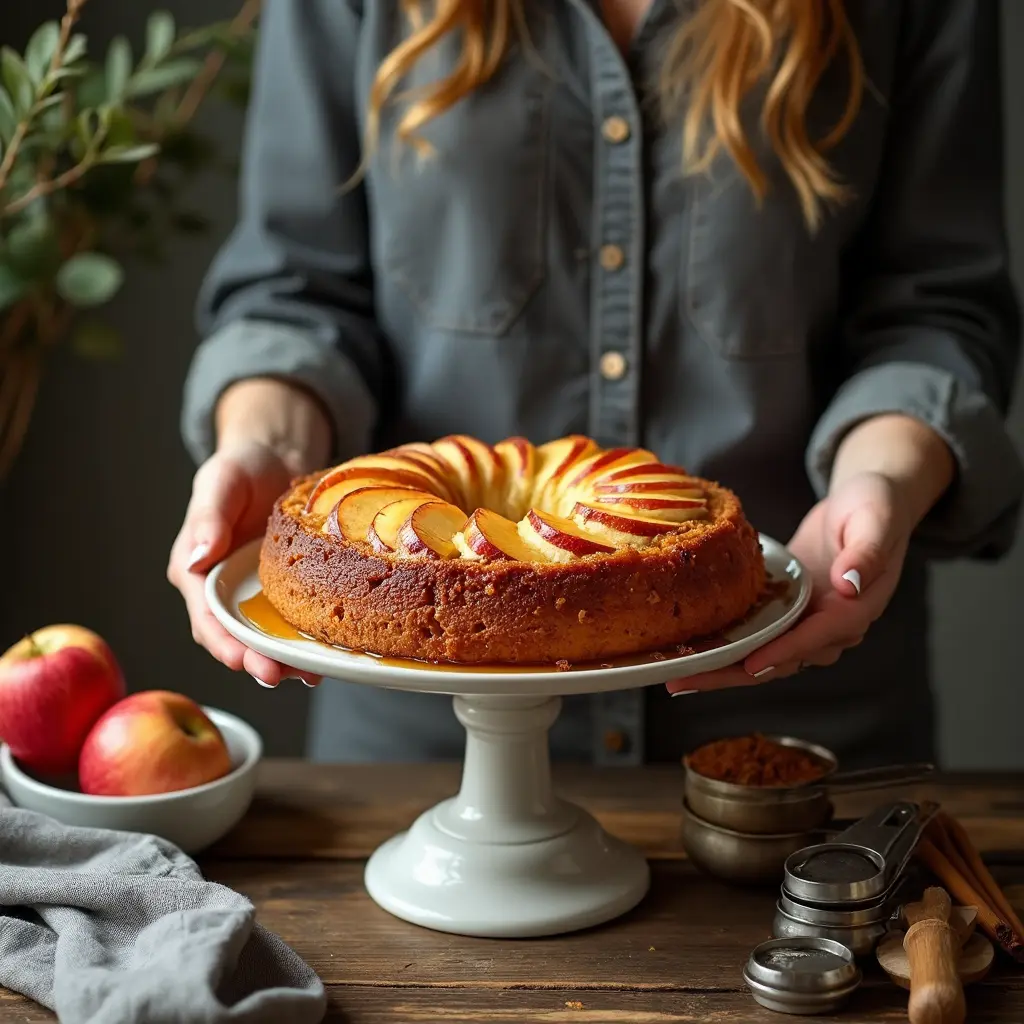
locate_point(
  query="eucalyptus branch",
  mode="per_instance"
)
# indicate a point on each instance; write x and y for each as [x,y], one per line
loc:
[83,138]
[48,186]
[197,91]
[67,23]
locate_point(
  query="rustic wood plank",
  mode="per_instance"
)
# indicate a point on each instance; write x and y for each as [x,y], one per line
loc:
[689,933]
[346,811]
[871,1004]
[16,1009]
[995,1002]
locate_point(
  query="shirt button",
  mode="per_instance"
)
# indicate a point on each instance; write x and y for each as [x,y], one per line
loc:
[613,366]
[612,257]
[615,129]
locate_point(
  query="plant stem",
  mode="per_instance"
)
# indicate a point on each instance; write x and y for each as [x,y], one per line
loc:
[67,23]
[25,400]
[48,186]
[201,84]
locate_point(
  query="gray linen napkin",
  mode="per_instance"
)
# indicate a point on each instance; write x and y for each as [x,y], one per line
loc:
[107,927]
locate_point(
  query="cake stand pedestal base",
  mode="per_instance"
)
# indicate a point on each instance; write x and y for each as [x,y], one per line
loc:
[506,858]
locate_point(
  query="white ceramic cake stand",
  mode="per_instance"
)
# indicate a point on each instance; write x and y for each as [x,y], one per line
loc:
[505,857]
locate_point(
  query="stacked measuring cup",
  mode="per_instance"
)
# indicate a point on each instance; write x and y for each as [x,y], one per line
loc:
[745,834]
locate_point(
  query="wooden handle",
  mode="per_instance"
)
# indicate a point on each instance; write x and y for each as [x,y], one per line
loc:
[936,993]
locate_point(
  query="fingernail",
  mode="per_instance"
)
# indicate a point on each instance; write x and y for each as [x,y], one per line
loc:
[764,672]
[854,577]
[683,693]
[199,552]
[267,686]
[299,679]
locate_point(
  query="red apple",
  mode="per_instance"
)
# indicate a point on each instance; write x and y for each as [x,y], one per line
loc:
[54,685]
[152,742]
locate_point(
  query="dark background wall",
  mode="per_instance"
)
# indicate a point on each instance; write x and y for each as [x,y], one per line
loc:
[94,503]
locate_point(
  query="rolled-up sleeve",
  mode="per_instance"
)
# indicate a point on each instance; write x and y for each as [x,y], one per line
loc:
[933,324]
[290,295]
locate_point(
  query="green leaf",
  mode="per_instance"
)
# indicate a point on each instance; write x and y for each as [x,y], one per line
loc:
[40,50]
[93,339]
[92,90]
[32,251]
[128,154]
[17,80]
[89,279]
[76,49]
[119,67]
[8,118]
[59,74]
[165,76]
[159,35]
[12,287]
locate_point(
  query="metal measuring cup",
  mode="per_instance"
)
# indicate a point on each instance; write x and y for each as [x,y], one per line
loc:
[787,810]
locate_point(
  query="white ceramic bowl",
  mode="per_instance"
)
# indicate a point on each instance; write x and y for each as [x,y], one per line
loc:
[192,819]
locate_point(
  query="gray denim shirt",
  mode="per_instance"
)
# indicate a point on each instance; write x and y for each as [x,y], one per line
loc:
[550,270]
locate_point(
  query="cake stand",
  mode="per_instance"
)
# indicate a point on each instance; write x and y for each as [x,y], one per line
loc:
[504,857]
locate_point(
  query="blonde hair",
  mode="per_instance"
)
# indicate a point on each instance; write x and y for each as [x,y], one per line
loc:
[710,66]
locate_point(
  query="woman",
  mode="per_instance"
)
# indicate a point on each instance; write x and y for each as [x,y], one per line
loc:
[762,237]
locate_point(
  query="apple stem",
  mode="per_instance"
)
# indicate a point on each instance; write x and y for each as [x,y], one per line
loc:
[33,644]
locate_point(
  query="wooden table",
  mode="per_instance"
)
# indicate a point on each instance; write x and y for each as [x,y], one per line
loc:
[300,852]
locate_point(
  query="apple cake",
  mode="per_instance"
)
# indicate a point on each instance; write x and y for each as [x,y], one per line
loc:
[469,553]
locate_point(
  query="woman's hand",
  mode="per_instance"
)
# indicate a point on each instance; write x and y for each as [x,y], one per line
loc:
[852,545]
[268,433]
[887,475]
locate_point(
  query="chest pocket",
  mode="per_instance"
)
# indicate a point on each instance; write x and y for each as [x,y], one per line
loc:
[749,277]
[462,232]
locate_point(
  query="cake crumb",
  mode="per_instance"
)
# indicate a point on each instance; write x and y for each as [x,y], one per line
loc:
[559,602]
[573,1004]
[653,597]
[657,656]
[563,665]
[489,590]
[650,949]
[582,615]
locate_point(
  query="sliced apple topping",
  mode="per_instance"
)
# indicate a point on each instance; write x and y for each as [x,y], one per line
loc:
[605,461]
[474,474]
[659,506]
[619,528]
[520,459]
[428,532]
[682,486]
[554,461]
[558,539]
[384,470]
[428,461]
[488,535]
[645,469]
[354,514]
[383,531]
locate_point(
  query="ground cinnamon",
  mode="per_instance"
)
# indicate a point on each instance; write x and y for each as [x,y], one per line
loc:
[755,760]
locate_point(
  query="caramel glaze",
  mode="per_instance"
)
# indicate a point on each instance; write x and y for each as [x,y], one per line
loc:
[263,616]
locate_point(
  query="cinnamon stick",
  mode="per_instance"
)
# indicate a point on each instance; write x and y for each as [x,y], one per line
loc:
[964,892]
[961,842]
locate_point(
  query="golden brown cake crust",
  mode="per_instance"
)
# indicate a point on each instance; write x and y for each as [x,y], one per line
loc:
[690,583]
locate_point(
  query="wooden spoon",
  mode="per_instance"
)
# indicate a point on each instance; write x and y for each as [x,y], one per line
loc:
[973,964]
[933,943]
